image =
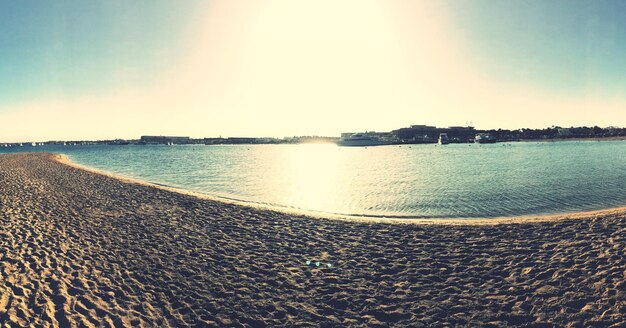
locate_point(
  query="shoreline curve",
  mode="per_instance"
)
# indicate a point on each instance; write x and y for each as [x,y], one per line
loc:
[65,160]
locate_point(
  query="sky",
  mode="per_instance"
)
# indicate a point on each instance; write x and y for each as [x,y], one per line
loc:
[87,70]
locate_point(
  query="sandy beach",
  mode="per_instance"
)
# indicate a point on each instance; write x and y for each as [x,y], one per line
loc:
[82,249]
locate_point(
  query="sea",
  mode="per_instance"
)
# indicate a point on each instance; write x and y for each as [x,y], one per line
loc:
[399,181]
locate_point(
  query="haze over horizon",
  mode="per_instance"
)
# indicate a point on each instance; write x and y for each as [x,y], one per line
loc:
[75,70]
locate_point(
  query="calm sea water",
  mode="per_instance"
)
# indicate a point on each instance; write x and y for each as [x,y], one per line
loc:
[394,181]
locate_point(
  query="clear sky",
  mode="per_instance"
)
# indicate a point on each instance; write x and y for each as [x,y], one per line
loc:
[98,70]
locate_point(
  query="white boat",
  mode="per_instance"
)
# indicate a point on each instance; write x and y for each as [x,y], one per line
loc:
[362,140]
[443,139]
[484,138]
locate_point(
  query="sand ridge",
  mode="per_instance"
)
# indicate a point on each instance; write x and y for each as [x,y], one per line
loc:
[84,249]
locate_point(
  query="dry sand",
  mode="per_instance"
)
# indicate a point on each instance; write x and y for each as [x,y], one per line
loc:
[84,249]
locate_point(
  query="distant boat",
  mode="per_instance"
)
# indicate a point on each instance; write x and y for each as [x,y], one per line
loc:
[362,140]
[443,139]
[483,138]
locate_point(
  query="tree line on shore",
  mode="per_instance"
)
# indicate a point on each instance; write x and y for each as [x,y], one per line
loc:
[557,132]
[404,135]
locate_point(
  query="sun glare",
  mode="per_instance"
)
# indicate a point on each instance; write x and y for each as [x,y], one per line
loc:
[313,177]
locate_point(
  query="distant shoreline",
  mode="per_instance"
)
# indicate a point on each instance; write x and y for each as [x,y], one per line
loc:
[276,141]
[620,138]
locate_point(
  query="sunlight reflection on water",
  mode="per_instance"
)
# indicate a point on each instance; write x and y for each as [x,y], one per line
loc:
[463,180]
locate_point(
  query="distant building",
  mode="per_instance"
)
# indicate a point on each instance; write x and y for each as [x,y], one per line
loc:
[460,133]
[214,141]
[429,133]
[421,126]
[241,140]
[423,133]
[165,140]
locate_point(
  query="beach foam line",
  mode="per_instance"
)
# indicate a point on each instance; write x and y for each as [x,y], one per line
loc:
[61,158]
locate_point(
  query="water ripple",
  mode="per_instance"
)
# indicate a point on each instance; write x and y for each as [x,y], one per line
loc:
[422,181]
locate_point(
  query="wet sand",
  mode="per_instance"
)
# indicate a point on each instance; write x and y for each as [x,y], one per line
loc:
[79,248]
